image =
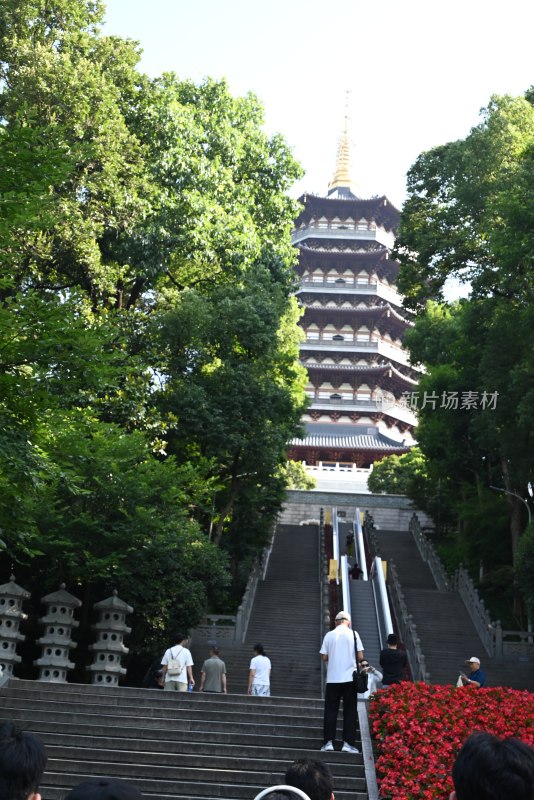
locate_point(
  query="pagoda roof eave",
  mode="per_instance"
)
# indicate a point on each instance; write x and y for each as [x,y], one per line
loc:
[378,311]
[378,208]
[375,370]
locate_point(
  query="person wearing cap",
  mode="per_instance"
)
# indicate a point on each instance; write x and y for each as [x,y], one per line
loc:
[392,661]
[476,677]
[104,789]
[339,650]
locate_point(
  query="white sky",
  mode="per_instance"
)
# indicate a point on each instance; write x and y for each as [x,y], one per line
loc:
[418,70]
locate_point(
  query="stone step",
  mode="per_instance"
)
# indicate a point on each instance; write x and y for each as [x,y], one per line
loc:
[102,749]
[171,768]
[190,714]
[174,746]
[117,695]
[189,751]
[302,734]
[170,790]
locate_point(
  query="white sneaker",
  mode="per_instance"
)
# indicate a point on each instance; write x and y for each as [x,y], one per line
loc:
[349,748]
[327,746]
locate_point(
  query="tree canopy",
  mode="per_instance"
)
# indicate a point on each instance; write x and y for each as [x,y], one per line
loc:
[469,216]
[149,339]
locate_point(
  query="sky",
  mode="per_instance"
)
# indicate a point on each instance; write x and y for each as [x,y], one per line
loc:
[417,72]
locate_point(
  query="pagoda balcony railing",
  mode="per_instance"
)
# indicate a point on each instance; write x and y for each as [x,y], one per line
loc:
[344,233]
[384,348]
[393,409]
[348,287]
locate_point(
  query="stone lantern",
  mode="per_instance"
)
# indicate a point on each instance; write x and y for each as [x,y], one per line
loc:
[109,648]
[11,597]
[57,642]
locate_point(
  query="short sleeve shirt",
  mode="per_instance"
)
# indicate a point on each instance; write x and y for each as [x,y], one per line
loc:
[479,676]
[262,666]
[181,654]
[214,668]
[338,645]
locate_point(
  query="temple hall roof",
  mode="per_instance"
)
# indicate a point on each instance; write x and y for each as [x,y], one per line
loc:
[357,440]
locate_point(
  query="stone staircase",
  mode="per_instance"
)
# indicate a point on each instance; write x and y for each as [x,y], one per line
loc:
[447,635]
[285,618]
[174,746]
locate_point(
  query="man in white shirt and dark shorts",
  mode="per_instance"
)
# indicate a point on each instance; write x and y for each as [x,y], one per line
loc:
[339,652]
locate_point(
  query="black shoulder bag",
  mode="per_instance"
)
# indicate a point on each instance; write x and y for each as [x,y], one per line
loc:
[359,678]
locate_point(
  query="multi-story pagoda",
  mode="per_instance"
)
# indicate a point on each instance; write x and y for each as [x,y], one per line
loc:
[359,374]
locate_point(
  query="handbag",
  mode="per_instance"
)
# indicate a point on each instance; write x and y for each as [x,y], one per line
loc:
[359,678]
[175,667]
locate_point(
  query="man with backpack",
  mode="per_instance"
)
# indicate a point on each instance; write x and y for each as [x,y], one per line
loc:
[177,666]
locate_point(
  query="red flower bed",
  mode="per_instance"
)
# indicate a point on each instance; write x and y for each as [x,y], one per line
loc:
[418,729]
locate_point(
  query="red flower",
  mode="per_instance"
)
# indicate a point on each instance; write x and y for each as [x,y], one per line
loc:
[418,729]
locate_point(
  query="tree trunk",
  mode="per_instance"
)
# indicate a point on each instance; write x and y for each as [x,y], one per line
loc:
[515,504]
[227,508]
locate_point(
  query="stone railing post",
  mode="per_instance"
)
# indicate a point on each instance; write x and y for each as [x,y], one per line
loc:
[498,639]
[57,642]
[11,614]
[476,609]
[109,648]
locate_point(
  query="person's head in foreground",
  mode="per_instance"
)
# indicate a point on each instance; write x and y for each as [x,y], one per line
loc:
[488,768]
[311,776]
[22,763]
[104,789]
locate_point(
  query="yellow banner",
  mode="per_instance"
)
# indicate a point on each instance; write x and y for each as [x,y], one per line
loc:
[332,571]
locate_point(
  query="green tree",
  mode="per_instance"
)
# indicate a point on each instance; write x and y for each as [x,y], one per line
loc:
[149,337]
[233,381]
[468,216]
[469,210]
[524,568]
[397,474]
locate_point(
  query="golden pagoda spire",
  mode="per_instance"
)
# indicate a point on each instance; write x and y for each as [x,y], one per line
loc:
[341,179]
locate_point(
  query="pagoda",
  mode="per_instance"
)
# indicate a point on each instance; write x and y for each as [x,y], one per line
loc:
[360,379]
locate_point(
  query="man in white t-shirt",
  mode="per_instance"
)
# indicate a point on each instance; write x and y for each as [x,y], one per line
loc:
[259,678]
[338,650]
[178,658]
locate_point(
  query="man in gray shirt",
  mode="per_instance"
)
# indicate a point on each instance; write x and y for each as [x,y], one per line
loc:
[213,673]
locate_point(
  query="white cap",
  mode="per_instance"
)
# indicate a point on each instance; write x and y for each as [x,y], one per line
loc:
[342,615]
[474,660]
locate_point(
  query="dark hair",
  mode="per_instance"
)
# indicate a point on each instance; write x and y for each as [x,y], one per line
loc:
[179,637]
[279,795]
[393,638]
[104,789]
[258,648]
[22,762]
[488,768]
[312,776]
[215,650]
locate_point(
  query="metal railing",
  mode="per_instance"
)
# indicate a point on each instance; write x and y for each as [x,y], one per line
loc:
[335,541]
[429,555]
[360,544]
[405,623]
[383,614]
